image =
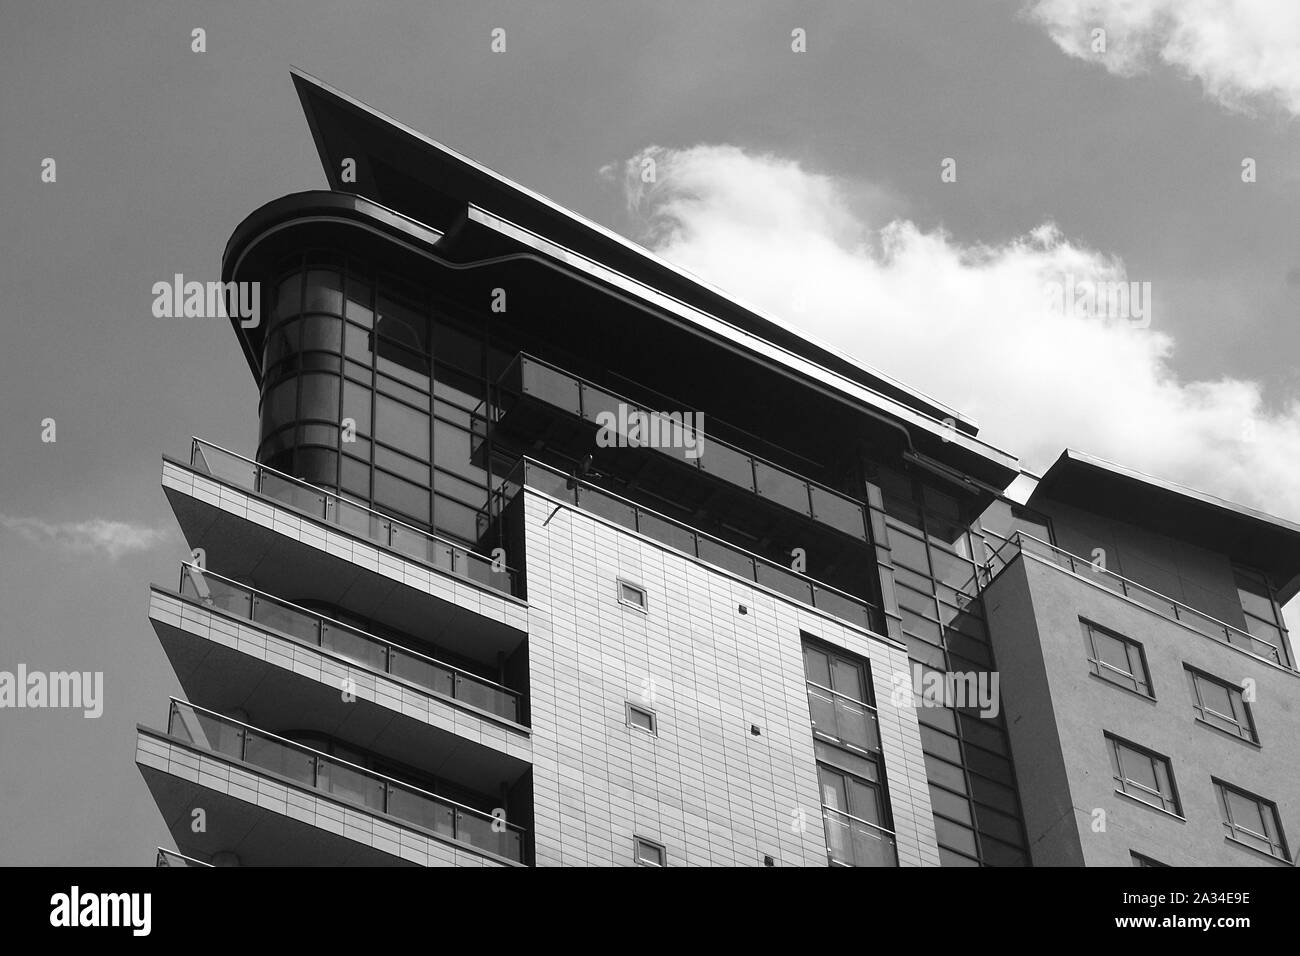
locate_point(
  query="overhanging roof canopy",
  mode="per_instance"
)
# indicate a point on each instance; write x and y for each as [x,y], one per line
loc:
[1247,536]
[421,178]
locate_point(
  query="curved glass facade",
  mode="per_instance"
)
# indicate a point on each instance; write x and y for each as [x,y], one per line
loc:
[369,390]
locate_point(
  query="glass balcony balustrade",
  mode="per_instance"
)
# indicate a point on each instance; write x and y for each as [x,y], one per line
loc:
[348,643]
[387,532]
[531,377]
[1020,542]
[855,842]
[697,544]
[344,781]
[842,719]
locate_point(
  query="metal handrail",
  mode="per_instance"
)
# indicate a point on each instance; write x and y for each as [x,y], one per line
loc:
[189,568]
[1015,539]
[455,548]
[874,826]
[873,612]
[860,703]
[1111,667]
[365,772]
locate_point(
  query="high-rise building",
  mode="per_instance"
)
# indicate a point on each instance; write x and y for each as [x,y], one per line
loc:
[550,553]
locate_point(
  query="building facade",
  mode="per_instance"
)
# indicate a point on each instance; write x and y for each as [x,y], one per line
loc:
[550,554]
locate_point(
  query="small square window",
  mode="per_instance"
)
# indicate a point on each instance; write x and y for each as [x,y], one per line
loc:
[642,718]
[631,595]
[1141,860]
[650,853]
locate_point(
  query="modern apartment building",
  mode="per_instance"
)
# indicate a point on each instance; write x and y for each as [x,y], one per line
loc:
[551,554]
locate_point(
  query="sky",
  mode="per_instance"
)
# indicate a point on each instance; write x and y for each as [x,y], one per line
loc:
[905,187]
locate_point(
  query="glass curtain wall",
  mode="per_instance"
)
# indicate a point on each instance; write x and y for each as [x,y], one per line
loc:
[369,387]
[972,782]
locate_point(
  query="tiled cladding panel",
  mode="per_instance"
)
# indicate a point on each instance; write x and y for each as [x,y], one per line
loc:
[365,828]
[342,545]
[705,787]
[309,662]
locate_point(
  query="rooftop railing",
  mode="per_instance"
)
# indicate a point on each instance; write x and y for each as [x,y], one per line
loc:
[387,532]
[1167,607]
[563,390]
[684,538]
[344,781]
[346,642]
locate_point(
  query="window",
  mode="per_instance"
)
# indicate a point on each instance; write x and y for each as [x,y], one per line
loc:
[649,853]
[643,718]
[1251,820]
[839,698]
[1140,860]
[846,741]
[402,427]
[631,595]
[853,809]
[1262,618]
[1221,704]
[1143,775]
[856,793]
[1118,660]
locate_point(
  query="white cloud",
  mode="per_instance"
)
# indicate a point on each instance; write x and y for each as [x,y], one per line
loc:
[1246,53]
[112,538]
[969,325]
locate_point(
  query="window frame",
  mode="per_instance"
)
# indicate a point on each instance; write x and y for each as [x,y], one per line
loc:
[1221,788]
[1235,695]
[879,790]
[643,606]
[639,841]
[1101,669]
[1278,622]
[1123,783]
[863,667]
[629,707]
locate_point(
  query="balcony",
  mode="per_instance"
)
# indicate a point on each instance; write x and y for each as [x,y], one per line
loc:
[851,841]
[361,792]
[332,509]
[1021,543]
[532,391]
[348,643]
[234,664]
[276,548]
[704,547]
